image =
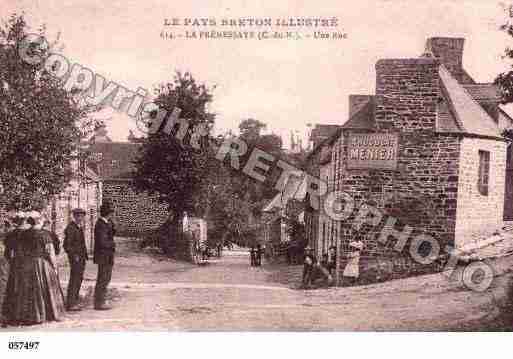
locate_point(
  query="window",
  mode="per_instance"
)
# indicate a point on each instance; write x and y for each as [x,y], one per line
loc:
[484,172]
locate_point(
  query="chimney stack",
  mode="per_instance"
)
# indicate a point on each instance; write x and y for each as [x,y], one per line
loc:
[407,92]
[449,51]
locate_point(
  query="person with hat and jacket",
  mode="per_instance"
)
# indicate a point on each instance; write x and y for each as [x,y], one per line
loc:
[75,247]
[104,249]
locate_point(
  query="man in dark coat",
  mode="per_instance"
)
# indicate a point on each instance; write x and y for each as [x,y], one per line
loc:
[258,255]
[252,254]
[104,248]
[75,247]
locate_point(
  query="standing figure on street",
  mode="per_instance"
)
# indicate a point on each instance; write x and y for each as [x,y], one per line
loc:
[308,265]
[75,247]
[104,249]
[36,295]
[352,269]
[252,256]
[10,242]
[259,253]
[332,260]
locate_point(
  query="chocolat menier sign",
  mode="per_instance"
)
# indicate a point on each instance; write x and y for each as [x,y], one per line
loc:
[372,151]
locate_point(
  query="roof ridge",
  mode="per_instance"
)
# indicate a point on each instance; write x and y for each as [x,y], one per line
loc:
[443,70]
[451,108]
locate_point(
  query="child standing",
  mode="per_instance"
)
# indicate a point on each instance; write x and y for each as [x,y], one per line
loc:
[352,269]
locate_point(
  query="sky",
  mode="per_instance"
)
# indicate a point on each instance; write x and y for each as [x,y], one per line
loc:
[287,84]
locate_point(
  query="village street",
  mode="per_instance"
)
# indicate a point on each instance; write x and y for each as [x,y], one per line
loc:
[150,292]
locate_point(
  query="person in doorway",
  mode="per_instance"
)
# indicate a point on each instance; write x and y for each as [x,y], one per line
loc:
[352,269]
[104,249]
[308,265]
[75,247]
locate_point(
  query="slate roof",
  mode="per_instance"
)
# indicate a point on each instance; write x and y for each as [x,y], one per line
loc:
[113,160]
[363,118]
[295,188]
[487,92]
[467,114]
[323,131]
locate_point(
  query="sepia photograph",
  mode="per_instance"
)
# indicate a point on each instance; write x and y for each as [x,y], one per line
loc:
[292,169]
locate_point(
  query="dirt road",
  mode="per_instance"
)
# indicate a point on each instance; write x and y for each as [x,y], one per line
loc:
[151,292]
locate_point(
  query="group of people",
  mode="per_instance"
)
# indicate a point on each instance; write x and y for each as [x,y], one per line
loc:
[33,293]
[255,255]
[324,271]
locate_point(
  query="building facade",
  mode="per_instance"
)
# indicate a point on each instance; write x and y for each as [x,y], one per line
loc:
[134,213]
[427,149]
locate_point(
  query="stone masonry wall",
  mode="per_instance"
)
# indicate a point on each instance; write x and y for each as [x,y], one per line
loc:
[422,192]
[135,214]
[407,92]
[479,215]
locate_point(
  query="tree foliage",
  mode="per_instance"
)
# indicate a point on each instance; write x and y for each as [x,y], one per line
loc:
[40,124]
[236,199]
[170,168]
[505,79]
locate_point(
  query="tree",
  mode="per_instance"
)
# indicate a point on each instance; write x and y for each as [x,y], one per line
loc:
[235,199]
[170,168]
[41,124]
[505,80]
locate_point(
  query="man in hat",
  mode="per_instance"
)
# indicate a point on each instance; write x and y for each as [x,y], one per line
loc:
[75,247]
[104,248]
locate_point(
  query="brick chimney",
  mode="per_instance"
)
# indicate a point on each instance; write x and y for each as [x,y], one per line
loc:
[356,102]
[407,92]
[449,50]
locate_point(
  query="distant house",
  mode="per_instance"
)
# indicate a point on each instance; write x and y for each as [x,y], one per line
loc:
[134,213]
[281,209]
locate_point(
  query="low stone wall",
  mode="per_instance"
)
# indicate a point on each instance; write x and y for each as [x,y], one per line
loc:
[381,269]
[135,214]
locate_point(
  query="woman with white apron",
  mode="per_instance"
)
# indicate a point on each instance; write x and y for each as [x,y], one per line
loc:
[352,269]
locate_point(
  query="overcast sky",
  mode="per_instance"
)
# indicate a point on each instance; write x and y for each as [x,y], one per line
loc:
[284,83]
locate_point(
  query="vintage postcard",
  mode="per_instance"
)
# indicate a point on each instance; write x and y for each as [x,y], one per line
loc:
[236,166]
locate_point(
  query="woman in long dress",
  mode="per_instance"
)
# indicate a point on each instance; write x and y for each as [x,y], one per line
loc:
[36,296]
[352,270]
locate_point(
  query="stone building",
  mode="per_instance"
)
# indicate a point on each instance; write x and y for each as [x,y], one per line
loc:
[135,214]
[426,149]
[85,191]
[280,212]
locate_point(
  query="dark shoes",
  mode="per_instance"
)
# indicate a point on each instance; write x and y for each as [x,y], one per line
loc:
[102,307]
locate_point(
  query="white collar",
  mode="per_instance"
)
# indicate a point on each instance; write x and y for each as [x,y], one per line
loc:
[104,219]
